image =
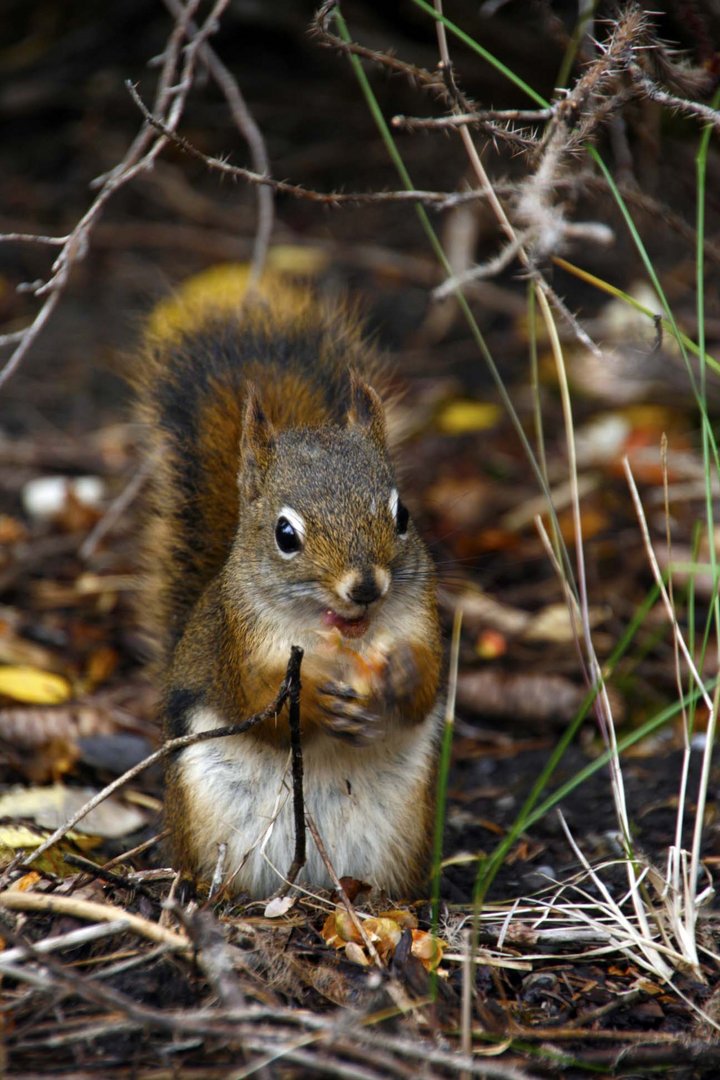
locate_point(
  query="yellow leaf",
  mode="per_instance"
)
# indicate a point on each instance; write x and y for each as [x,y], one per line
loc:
[344,926]
[354,952]
[405,919]
[14,838]
[34,687]
[384,934]
[461,417]
[428,949]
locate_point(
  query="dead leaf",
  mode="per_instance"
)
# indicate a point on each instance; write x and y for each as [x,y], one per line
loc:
[354,952]
[384,931]
[34,687]
[279,905]
[405,919]
[52,805]
[464,416]
[427,948]
[385,935]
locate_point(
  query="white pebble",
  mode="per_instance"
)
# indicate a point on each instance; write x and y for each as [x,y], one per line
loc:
[47,496]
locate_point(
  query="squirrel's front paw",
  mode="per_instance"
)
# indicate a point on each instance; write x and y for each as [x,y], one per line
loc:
[347,715]
[400,677]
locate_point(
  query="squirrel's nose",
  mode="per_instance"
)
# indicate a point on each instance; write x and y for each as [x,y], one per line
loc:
[367,585]
[365,592]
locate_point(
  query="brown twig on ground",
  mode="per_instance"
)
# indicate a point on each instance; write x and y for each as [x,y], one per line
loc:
[91,870]
[14,900]
[344,898]
[212,952]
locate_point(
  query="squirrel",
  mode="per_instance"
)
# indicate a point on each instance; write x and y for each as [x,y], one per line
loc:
[274,521]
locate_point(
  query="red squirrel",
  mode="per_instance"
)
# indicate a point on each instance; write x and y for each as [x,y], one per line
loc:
[275,520]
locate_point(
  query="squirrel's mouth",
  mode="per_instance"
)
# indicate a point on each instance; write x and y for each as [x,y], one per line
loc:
[350,628]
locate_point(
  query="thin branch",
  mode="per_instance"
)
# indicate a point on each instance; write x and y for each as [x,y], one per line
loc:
[77,908]
[432,123]
[246,125]
[296,756]
[31,238]
[171,747]
[173,88]
[332,198]
[651,90]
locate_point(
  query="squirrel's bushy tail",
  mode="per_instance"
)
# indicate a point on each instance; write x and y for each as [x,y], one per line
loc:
[201,348]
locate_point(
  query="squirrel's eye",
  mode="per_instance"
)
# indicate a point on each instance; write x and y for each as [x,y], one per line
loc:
[287,536]
[401,518]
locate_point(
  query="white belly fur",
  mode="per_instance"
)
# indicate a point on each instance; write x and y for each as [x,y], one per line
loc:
[361,799]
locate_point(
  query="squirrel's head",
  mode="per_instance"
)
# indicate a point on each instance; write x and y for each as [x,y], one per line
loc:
[323,534]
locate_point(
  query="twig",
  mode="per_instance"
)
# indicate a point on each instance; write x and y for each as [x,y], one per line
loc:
[31,238]
[101,873]
[417,76]
[518,139]
[213,953]
[173,88]
[49,903]
[704,113]
[344,898]
[471,119]
[250,131]
[71,940]
[171,747]
[126,855]
[297,772]
[116,509]
[332,198]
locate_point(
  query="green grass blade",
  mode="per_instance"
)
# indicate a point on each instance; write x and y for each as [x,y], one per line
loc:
[489,867]
[487,56]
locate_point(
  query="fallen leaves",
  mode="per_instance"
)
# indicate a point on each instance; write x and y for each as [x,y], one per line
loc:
[384,932]
[462,416]
[52,804]
[34,687]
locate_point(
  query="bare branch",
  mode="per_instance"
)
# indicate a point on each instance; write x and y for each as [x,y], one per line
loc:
[651,90]
[247,127]
[443,199]
[173,87]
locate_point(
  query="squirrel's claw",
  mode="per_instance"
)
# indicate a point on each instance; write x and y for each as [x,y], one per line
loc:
[347,714]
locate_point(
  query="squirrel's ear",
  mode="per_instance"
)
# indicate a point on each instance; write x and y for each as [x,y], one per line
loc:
[257,445]
[366,409]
